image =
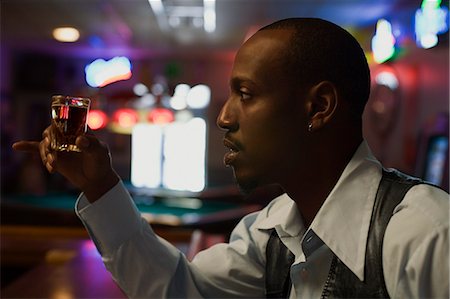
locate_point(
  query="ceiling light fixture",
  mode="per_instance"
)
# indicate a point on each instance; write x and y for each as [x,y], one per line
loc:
[66,34]
[157,6]
[209,15]
[170,16]
[159,11]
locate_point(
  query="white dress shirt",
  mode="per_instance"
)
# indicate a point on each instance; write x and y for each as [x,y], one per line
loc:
[415,249]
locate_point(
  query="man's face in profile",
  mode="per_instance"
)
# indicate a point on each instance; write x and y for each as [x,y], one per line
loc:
[263,116]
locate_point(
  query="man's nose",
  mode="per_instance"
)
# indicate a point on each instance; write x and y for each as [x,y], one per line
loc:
[227,119]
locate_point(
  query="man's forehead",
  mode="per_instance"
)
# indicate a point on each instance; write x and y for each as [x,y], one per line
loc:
[265,49]
[272,36]
[261,64]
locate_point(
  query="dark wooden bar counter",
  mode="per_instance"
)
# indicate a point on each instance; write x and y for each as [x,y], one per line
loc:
[63,263]
[65,274]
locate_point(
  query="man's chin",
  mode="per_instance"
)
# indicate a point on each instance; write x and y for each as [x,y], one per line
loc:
[247,186]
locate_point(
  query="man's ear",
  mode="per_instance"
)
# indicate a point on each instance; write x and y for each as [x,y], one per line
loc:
[321,104]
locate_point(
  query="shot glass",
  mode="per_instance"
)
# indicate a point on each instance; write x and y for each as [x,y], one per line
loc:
[69,119]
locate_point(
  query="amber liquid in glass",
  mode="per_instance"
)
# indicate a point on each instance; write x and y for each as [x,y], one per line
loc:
[70,122]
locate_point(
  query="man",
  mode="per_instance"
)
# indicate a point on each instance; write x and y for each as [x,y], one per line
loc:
[297,92]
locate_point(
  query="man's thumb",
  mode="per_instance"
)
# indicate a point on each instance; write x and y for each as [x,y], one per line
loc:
[89,144]
[26,146]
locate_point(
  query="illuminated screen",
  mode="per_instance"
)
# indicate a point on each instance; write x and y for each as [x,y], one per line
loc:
[170,156]
[437,155]
[184,155]
[146,152]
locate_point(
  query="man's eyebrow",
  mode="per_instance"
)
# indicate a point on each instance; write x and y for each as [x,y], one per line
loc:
[236,81]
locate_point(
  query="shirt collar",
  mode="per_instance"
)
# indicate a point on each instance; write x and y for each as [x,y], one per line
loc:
[282,214]
[342,222]
[344,218]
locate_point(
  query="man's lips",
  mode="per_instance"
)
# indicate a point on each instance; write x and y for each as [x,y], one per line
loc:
[233,152]
[230,144]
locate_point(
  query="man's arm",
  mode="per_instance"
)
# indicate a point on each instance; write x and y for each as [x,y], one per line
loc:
[146,266]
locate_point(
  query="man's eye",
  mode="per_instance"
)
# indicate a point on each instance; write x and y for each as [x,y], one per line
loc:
[244,95]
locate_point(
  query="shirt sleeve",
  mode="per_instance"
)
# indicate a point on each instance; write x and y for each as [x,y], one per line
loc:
[416,245]
[141,263]
[237,267]
[146,266]
[426,275]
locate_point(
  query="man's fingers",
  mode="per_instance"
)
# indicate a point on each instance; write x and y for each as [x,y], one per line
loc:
[26,146]
[43,150]
[83,142]
[89,144]
[48,159]
[50,162]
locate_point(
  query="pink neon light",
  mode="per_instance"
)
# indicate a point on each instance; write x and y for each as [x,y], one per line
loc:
[126,118]
[97,119]
[160,116]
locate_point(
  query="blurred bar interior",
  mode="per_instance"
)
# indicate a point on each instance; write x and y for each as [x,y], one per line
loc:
[157,73]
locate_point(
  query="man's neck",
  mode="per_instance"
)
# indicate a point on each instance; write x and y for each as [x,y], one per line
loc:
[310,191]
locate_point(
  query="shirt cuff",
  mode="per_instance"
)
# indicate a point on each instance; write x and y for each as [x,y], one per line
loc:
[111,220]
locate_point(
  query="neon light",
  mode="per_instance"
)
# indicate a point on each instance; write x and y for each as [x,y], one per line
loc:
[387,79]
[140,89]
[430,20]
[199,97]
[100,73]
[158,89]
[97,119]
[181,90]
[431,4]
[145,101]
[161,116]
[428,41]
[178,100]
[383,42]
[126,118]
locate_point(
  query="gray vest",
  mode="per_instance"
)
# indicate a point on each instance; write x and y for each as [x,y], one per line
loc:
[341,281]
